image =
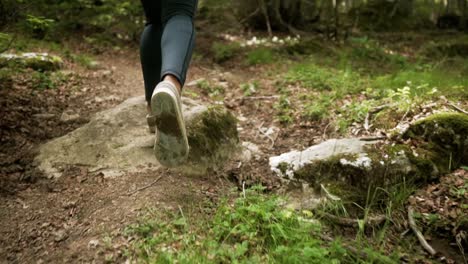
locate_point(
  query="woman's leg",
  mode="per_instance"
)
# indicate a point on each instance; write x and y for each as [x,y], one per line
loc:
[150,46]
[177,41]
[171,145]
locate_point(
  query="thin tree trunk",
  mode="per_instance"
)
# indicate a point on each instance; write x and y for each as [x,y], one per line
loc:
[267,18]
[337,19]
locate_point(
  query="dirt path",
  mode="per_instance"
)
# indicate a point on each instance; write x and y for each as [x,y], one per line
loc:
[57,221]
[53,221]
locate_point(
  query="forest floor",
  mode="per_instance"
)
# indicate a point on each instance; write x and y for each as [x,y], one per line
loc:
[317,92]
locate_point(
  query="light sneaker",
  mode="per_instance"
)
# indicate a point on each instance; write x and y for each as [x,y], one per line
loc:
[171,146]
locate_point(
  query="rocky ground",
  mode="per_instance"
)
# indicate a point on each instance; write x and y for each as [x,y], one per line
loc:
[73,217]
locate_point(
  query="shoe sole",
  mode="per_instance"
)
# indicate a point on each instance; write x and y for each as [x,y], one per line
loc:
[171,145]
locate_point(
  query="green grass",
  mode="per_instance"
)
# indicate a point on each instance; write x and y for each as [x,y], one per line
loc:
[448,83]
[364,75]
[210,90]
[251,229]
[224,51]
[261,55]
[322,78]
[84,60]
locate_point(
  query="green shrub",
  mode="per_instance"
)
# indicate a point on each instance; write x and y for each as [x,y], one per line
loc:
[260,55]
[223,52]
[38,25]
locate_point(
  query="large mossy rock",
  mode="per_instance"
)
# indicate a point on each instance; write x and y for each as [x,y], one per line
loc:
[355,168]
[117,141]
[441,140]
[36,61]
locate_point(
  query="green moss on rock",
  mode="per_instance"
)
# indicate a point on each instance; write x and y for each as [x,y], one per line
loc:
[212,137]
[36,61]
[442,140]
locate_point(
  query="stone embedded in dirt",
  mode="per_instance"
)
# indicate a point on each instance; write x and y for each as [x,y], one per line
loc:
[249,151]
[60,235]
[36,61]
[93,243]
[348,167]
[287,164]
[117,141]
[68,117]
[353,167]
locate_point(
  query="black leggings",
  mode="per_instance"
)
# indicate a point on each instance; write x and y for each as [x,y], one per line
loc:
[167,41]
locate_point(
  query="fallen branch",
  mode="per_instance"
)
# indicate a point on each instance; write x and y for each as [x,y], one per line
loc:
[458,108]
[258,97]
[418,233]
[371,220]
[144,187]
[372,138]
[328,194]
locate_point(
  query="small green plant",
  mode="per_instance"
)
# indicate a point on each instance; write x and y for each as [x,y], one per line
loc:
[223,52]
[316,107]
[208,89]
[38,25]
[249,88]
[260,55]
[43,80]
[48,80]
[284,110]
[83,60]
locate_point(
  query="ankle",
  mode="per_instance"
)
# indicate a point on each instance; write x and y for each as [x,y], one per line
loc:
[172,79]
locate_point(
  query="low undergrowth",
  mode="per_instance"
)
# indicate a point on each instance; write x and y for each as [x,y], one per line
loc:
[370,86]
[253,228]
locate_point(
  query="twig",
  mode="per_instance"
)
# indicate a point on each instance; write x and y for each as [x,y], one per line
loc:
[372,138]
[258,97]
[366,122]
[352,249]
[379,108]
[266,135]
[274,141]
[328,194]
[243,188]
[249,16]
[144,187]
[458,108]
[404,116]
[371,220]
[325,131]
[418,233]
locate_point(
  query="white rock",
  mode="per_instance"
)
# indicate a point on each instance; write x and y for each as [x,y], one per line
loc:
[298,159]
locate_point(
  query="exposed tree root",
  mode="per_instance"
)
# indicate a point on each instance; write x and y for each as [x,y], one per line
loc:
[418,233]
[370,221]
